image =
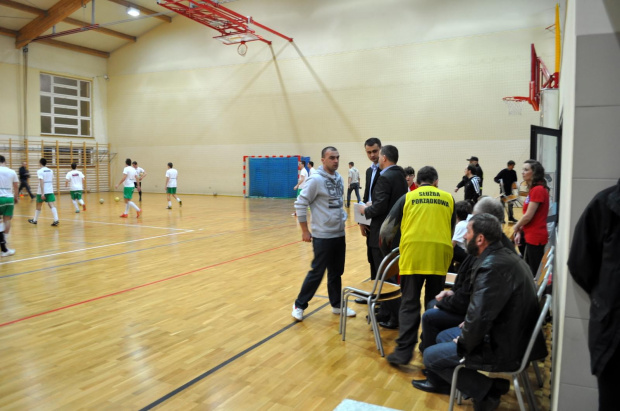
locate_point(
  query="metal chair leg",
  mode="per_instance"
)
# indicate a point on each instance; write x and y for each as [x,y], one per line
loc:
[527,388]
[538,374]
[515,381]
[455,376]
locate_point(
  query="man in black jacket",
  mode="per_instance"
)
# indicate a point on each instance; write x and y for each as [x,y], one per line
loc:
[391,185]
[593,262]
[472,184]
[508,180]
[24,175]
[501,315]
[373,149]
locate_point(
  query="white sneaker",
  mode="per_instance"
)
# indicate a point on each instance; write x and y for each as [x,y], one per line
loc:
[8,253]
[350,312]
[297,313]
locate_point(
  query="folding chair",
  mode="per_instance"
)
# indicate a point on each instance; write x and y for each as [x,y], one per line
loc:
[373,292]
[521,372]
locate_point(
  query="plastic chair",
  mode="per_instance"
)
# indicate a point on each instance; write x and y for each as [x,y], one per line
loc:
[373,292]
[521,372]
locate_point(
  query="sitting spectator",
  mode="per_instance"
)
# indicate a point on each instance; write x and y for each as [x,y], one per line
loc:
[463,214]
[501,315]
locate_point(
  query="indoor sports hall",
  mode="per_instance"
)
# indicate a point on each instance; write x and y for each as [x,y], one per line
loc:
[188,306]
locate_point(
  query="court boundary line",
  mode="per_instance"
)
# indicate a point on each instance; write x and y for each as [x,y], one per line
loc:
[225,363]
[103,222]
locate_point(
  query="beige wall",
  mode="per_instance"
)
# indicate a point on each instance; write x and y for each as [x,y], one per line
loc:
[176,95]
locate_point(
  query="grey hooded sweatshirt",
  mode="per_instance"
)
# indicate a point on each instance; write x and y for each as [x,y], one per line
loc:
[323,194]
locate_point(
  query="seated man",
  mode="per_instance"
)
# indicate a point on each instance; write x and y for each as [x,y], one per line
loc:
[501,315]
[451,305]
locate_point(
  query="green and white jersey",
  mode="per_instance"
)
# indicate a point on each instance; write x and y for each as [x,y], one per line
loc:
[172,176]
[47,176]
[7,178]
[76,179]
[130,173]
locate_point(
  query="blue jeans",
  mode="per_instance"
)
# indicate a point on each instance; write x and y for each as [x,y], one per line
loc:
[329,254]
[434,321]
[356,187]
[441,359]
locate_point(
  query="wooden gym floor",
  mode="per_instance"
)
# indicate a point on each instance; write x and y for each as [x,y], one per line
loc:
[185,309]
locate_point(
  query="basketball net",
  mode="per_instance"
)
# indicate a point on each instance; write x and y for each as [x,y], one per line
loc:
[515,105]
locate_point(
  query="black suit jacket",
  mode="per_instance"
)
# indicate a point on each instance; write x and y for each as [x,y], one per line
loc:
[389,187]
[367,187]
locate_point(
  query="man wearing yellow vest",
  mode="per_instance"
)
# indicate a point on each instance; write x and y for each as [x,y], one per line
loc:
[426,221]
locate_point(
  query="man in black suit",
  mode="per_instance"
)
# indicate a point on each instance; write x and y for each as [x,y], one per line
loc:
[390,186]
[373,149]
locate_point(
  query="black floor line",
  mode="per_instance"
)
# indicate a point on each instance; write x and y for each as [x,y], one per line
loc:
[225,363]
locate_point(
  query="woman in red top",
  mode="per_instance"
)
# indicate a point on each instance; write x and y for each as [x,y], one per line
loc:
[410,176]
[532,227]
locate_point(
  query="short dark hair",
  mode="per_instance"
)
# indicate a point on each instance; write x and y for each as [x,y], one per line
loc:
[462,209]
[351,163]
[73,166]
[311,163]
[489,205]
[43,161]
[128,161]
[134,162]
[427,174]
[2,159]
[303,163]
[170,165]
[472,168]
[372,141]
[326,149]
[487,225]
[511,163]
[390,152]
[409,171]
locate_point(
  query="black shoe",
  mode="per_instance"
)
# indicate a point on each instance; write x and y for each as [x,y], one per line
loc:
[428,386]
[380,319]
[487,404]
[31,221]
[512,220]
[55,224]
[425,372]
[397,359]
[389,325]
[361,301]
[500,387]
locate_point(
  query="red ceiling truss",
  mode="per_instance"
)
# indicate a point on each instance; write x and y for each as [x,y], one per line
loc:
[233,27]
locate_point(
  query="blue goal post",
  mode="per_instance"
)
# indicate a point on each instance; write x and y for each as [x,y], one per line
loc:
[272,177]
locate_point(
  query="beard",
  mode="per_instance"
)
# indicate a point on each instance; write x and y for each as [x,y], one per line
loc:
[472,248]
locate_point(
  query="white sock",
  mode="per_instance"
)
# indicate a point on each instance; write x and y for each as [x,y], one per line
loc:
[75,204]
[169,203]
[127,208]
[36,215]
[55,213]
[179,199]
[133,205]
[81,201]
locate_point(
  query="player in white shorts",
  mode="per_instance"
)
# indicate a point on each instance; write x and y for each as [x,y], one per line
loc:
[76,178]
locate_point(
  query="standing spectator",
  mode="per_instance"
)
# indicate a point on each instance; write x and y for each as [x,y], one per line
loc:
[410,175]
[473,160]
[372,146]
[140,174]
[593,264]
[76,178]
[302,175]
[128,181]
[531,229]
[354,183]
[312,169]
[9,196]
[24,175]
[391,186]
[171,185]
[45,193]
[426,220]
[507,178]
[323,195]
[472,185]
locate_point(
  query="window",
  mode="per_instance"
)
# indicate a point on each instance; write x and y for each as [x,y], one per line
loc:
[65,106]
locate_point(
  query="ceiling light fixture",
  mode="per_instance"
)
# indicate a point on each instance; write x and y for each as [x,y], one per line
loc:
[132,11]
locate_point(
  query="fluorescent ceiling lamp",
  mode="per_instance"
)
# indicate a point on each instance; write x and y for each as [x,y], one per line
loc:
[132,11]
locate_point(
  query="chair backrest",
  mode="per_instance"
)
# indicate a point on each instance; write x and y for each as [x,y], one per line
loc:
[542,285]
[547,257]
[541,319]
[387,269]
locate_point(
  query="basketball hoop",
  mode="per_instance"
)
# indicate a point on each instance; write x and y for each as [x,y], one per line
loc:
[242,49]
[515,104]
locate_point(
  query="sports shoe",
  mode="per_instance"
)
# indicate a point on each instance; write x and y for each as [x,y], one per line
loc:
[77,211]
[138,213]
[350,312]
[124,216]
[83,207]
[10,252]
[180,203]
[168,208]
[31,221]
[55,224]
[297,313]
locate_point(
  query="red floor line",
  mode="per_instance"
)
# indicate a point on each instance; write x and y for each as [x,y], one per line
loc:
[146,285]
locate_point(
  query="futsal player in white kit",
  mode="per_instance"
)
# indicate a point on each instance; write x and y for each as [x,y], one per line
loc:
[76,179]
[171,185]
[45,193]
[128,181]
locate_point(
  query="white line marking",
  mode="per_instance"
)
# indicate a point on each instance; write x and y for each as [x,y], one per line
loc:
[93,248]
[101,222]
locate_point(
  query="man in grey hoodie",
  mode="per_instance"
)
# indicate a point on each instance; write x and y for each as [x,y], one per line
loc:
[323,194]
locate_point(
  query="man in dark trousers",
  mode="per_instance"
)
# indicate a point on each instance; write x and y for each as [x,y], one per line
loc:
[24,175]
[373,149]
[472,184]
[508,180]
[391,185]
[594,263]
